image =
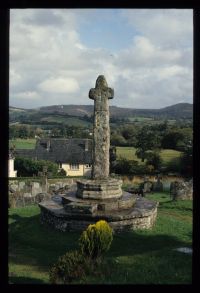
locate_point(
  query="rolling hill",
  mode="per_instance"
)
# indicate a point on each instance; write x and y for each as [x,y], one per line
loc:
[60,113]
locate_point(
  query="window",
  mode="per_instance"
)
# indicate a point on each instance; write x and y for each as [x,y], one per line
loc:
[88,166]
[60,165]
[74,166]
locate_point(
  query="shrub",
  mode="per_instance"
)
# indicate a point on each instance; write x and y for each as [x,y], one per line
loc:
[69,267]
[30,167]
[96,240]
[62,173]
[129,167]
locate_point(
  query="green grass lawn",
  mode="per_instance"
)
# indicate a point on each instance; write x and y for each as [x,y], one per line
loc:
[137,257]
[129,153]
[19,143]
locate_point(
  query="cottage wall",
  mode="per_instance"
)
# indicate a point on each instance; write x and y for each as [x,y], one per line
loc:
[11,171]
[83,170]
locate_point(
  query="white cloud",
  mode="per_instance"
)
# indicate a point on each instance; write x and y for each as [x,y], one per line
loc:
[49,59]
[59,85]
[27,96]
[165,27]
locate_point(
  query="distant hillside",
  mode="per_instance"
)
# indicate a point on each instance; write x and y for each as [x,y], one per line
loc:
[60,113]
[181,110]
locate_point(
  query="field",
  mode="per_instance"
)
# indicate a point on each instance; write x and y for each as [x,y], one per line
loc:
[70,121]
[138,257]
[129,153]
[28,143]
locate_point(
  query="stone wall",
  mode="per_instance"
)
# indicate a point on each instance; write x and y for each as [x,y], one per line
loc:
[28,192]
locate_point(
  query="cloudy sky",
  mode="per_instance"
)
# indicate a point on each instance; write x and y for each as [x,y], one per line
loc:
[56,55]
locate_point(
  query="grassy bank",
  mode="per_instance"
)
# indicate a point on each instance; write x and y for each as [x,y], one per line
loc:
[138,257]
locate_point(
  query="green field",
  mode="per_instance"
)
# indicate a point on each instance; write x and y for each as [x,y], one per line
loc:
[138,257]
[168,155]
[129,153]
[70,121]
[28,143]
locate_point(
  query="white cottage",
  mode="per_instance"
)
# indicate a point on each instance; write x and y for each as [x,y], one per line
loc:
[11,171]
[73,155]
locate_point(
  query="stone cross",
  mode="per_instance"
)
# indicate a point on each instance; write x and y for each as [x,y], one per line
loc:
[101,130]
[44,175]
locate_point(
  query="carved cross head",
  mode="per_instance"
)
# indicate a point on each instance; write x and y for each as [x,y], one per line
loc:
[101,90]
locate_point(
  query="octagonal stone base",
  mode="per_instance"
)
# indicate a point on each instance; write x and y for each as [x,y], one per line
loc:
[141,215]
[99,189]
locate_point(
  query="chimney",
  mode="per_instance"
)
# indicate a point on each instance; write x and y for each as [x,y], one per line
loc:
[48,145]
[86,145]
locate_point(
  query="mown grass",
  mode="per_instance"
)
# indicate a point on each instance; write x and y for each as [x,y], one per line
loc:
[137,257]
[20,143]
[129,154]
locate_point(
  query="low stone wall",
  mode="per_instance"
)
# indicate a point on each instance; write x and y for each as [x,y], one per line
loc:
[31,191]
[151,183]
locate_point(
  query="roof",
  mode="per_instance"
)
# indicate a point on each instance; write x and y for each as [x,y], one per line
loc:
[60,150]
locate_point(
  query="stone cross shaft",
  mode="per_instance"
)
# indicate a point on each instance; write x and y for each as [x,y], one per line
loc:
[101,130]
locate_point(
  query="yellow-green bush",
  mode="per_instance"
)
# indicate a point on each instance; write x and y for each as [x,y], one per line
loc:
[96,239]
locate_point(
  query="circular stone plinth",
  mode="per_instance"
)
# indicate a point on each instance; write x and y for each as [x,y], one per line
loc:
[141,216]
[99,188]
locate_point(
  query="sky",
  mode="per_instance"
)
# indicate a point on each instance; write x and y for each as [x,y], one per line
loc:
[56,55]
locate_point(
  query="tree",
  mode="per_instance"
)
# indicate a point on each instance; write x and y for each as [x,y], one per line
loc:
[154,159]
[23,132]
[129,132]
[117,140]
[171,139]
[146,140]
[186,161]
[38,131]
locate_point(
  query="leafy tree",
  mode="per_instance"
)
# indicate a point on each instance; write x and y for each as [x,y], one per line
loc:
[146,140]
[129,132]
[117,140]
[186,161]
[171,139]
[39,131]
[23,132]
[154,159]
